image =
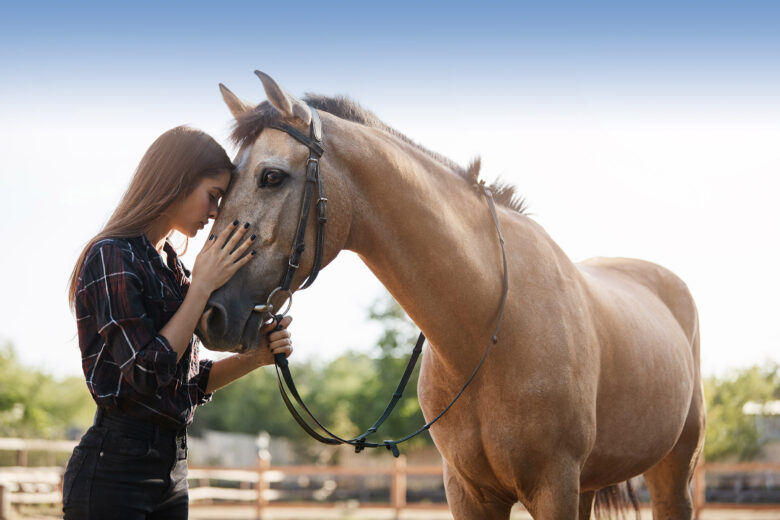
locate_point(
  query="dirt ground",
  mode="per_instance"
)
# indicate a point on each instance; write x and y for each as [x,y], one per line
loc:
[346,513]
[354,513]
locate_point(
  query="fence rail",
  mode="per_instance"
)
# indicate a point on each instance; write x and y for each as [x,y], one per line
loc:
[42,485]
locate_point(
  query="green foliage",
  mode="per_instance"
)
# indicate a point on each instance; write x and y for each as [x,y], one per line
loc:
[348,394]
[249,405]
[731,433]
[34,404]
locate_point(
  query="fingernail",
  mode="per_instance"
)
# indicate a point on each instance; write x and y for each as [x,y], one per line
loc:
[246,225]
[254,253]
[253,237]
[235,222]
[211,237]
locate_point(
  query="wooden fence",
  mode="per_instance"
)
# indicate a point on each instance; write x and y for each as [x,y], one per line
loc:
[252,486]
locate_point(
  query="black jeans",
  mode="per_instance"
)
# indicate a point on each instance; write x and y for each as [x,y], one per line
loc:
[124,468]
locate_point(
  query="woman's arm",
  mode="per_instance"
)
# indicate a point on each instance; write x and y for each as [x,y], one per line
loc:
[178,330]
[225,371]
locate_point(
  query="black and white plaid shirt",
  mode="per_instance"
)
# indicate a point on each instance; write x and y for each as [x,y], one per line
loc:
[125,295]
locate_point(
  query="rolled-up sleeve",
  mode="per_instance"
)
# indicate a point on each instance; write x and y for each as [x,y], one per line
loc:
[114,294]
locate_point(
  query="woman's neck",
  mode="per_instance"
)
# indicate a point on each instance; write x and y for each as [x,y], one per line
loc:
[156,234]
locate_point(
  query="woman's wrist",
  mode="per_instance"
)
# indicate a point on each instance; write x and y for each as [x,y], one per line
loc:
[254,361]
[199,291]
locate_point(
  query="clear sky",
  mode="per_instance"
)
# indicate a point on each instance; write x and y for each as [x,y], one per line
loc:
[646,129]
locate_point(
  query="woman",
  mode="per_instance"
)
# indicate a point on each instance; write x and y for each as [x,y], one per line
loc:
[136,310]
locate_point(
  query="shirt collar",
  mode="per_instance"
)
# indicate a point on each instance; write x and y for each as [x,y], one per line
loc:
[154,256]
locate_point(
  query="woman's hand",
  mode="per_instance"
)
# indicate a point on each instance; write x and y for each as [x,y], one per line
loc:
[224,371]
[221,257]
[277,342]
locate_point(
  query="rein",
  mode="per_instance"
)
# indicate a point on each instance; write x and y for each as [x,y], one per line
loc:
[283,375]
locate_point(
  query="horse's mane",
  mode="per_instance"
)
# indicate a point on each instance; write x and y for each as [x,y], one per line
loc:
[249,125]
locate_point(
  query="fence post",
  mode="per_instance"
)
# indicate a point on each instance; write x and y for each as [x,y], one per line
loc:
[263,463]
[699,489]
[398,486]
[4,503]
[21,457]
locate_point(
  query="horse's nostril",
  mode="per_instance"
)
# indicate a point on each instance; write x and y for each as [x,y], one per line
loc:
[213,322]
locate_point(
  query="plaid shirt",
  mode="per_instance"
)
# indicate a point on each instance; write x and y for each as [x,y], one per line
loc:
[125,295]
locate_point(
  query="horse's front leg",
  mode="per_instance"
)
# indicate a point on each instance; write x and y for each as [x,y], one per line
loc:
[556,495]
[468,503]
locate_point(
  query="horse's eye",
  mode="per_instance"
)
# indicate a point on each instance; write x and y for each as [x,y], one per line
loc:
[271,178]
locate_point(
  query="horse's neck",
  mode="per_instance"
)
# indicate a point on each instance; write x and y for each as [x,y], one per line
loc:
[429,237]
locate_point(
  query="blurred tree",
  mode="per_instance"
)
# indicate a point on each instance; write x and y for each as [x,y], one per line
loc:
[250,405]
[392,353]
[731,433]
[347,395]
[34,404]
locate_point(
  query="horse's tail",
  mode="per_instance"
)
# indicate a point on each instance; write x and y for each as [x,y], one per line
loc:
[616,501]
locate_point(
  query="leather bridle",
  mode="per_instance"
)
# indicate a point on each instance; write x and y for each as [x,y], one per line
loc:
[314,144]
[284,377]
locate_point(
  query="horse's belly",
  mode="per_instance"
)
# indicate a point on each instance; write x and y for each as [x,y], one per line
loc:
[640,411]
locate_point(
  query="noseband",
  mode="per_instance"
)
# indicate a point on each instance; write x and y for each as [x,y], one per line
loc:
[314,143]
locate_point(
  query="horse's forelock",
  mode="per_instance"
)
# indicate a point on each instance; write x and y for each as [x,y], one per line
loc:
[248,125]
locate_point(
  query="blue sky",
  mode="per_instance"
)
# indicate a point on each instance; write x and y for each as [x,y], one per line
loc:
[688,41]
[645,129]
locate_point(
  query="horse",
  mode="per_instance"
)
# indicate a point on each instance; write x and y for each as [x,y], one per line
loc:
[595,376]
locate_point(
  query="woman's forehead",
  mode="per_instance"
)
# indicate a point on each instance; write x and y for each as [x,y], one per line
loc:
[219,181]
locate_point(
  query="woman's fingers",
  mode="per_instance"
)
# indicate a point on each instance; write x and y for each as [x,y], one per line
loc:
[245,245]
[279,343]
[271,325]
[279,335]
[209,242]
[282,347]
[238,264]
[223,238]
[237,235]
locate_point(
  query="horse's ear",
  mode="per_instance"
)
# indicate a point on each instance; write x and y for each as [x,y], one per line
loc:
[236,106]
[290,106]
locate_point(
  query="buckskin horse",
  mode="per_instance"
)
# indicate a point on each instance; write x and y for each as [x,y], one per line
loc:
[595,376]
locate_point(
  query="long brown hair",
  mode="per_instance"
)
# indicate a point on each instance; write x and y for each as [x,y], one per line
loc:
[169,170]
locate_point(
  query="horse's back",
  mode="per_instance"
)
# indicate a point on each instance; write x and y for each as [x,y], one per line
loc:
[663,283]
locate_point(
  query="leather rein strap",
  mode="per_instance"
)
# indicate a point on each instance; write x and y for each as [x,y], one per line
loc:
[283,374]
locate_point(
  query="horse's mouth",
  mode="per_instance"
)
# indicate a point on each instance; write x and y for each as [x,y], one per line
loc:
[250,336]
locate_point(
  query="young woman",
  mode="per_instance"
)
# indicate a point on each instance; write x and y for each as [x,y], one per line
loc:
[137,307]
